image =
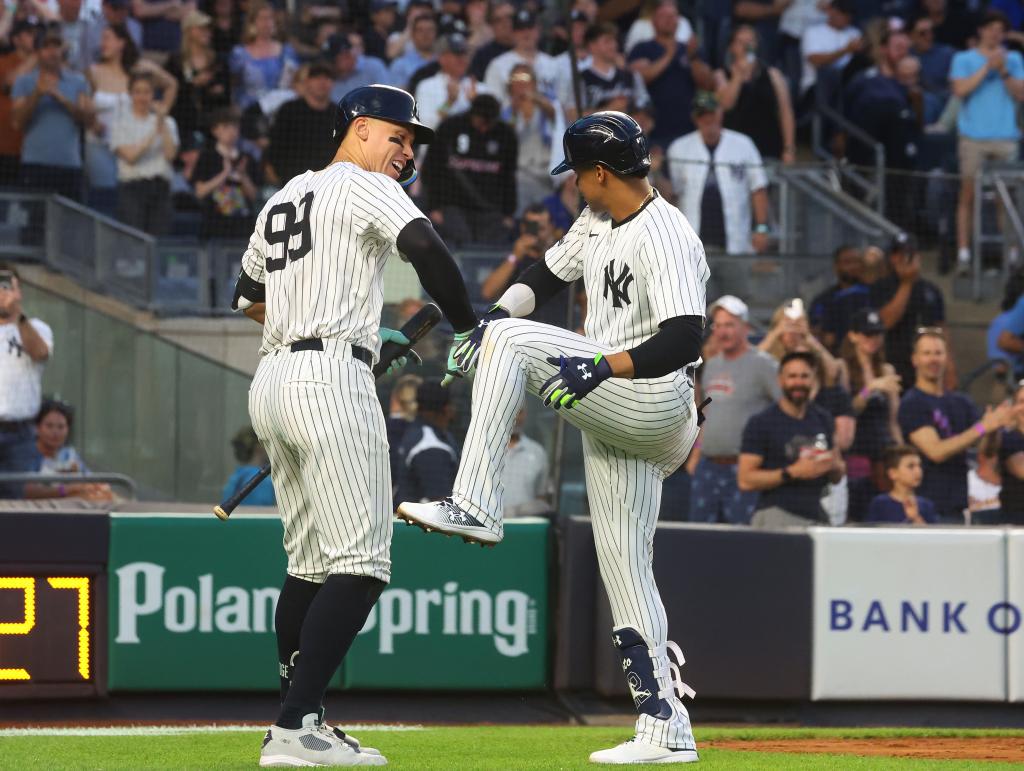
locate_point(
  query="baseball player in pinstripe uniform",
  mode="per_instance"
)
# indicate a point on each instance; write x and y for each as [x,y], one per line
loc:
[627,384]
[312,276]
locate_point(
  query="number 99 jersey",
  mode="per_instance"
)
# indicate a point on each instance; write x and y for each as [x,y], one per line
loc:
[317,255]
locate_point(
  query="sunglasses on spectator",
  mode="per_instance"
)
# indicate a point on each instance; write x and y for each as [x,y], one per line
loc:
[922,331]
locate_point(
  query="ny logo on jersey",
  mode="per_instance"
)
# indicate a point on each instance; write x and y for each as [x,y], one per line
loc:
[619,287]
[585,374]
[15,347]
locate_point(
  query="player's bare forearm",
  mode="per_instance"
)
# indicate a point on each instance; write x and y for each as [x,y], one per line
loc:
[621,364]
[257,312]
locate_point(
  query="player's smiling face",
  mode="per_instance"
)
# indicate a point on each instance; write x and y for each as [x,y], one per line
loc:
[389,148]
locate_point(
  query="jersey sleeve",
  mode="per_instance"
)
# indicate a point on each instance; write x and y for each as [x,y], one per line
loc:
[565,259]
[912,415]
[675,266]
[382,205]
[754,439]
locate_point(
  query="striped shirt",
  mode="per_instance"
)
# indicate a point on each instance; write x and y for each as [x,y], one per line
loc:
[638,273]
[319,247]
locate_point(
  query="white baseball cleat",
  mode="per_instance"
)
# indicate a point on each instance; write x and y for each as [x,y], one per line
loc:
[349,739]
[313,745]
[636,752]
[449,518]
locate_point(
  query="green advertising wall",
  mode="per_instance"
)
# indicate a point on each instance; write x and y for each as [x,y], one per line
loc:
[192,608]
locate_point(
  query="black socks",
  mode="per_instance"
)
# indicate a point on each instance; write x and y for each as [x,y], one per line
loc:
[335,616]
[292,606]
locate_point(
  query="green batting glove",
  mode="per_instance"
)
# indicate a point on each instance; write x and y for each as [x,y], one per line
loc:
[394,336]
[452,370]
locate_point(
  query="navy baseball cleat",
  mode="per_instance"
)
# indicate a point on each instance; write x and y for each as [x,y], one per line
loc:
[449,518]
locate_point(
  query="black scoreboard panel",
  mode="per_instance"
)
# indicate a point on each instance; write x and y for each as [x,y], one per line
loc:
[53,605]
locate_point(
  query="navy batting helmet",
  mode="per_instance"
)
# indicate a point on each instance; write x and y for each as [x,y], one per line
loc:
[610,138]
[386,103]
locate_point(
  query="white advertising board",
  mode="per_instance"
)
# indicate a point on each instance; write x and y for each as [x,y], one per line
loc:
[910,613]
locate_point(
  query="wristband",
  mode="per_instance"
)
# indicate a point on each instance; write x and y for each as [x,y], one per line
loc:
[979,428]
[61,491]
[865,392]
[512,258]
[786,476]
[762,228]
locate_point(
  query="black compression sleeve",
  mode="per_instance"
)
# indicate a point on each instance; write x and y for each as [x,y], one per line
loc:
[437,271]
[251,290]
[543,282]
[672,347]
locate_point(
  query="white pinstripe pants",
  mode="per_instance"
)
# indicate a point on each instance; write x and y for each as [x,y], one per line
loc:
[318,416]
[635,432]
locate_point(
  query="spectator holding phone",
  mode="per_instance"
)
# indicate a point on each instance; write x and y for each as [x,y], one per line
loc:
[25,346]
[901,505]
[226,181]
[907,302]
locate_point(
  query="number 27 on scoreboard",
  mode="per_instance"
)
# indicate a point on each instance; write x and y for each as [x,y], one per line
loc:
[19,615]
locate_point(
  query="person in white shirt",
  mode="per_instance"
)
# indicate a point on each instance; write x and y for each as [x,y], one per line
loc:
[527,36]
[145,141]
[830,44]
[25,346]
[718,177]
[527,491]
[450,91]
[643,29]
[580,18]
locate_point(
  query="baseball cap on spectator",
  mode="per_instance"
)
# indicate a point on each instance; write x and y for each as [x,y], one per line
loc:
[903,242]
[117,3]
[524,20]
[195,19]
[730,304]
[485,106]
[454,43]
[578,15]
[867,321]
[337,44]
[704,102]
[844,6]
[431,397]
[380,5]
[320,70]
[449,24]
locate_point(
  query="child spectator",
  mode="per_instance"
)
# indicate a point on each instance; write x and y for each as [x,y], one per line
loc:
[1011,465]
[226,179]
[901,505]
[984,484]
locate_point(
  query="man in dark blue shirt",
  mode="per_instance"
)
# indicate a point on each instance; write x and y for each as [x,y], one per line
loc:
[943,425]
[427,455]
[831,311]
[787,453]
[672,75]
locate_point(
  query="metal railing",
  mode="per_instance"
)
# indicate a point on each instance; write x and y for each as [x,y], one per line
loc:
[873,190]
[122,480]
[1002,180]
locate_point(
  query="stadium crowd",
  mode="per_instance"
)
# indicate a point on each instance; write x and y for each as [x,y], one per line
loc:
[182,117]
[172,111]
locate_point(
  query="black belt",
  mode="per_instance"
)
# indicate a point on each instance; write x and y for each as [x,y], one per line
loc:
[11,426]
[316,344]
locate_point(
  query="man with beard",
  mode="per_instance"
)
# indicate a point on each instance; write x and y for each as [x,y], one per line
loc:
[832,310]
[943,425]
[787,454]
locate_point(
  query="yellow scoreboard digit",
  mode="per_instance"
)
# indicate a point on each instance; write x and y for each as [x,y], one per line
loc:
[47,630]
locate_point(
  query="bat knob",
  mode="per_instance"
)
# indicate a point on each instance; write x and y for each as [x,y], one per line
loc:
[221,514]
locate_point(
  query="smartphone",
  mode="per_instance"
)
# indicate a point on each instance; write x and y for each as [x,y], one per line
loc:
[531,227]
[6,280]
[795,309]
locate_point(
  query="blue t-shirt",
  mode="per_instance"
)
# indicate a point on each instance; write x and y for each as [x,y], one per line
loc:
[988,112]
[671,92]
[949,414]
[263,495]
[52,138]
[780,439]
[833,308]
[1011,321]
[885,508]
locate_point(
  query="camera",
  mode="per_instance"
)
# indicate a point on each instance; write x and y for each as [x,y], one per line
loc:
[531,227]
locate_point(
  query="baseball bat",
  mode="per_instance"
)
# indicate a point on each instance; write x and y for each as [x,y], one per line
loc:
[416,328]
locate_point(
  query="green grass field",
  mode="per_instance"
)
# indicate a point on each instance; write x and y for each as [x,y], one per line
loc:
[487,747]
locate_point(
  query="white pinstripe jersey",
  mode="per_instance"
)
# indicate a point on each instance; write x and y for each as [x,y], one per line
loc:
[638,273]
[319,246]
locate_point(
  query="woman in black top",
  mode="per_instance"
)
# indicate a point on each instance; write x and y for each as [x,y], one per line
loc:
[875,388]
[755,98]
[203,81]
[1011,465]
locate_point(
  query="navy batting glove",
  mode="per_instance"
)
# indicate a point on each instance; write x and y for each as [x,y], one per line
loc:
[465,352]
[577,376]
